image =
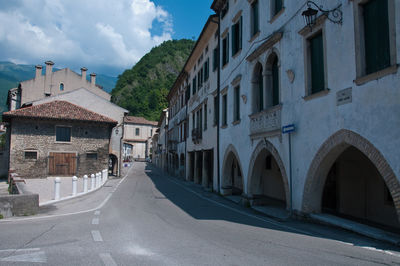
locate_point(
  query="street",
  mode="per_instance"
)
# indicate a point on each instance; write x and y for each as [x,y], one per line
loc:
[151,219]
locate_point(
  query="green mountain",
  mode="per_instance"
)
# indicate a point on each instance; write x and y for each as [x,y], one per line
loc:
[11,74]
[144,88]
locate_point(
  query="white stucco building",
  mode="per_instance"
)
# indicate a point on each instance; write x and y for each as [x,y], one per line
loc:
[137,136]
[161,150]
[201,68]
[336,82]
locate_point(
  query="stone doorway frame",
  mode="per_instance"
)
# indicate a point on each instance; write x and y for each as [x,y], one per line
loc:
[328,154]
[225,169]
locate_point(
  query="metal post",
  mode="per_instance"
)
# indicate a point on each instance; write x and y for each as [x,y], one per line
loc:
[57,184]
[85,183]
[74,185]
[290,174]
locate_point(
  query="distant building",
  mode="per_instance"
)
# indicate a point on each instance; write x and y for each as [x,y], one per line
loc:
[161,151]
[57,139]
[137,135]
[50,84]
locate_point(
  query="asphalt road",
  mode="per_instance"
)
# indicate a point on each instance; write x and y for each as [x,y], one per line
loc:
[148,218]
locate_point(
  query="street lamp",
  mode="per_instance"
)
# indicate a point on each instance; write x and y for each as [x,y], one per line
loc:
[335,15]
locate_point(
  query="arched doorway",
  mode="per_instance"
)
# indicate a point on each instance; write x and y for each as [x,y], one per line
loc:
[268,182]
[349,177]
[232,175]
[258,89]
[113,165]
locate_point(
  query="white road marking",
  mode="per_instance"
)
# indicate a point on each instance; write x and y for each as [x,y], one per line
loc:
[97,236]
[20,250]
[139,251]
[30,257]
[107,259]
[95,221]
[97,213]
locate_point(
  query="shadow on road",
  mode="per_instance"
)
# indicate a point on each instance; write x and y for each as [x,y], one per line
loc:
[199,208]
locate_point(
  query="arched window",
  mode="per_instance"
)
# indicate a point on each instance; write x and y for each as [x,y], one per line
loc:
[258,89]
[272,78]
[61,86]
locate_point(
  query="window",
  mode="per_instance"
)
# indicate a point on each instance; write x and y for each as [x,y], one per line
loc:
[277,6]
[237,37]
[215,58]
[275,82]
[193,121]
[254,18]
[316,59]
[215,110]
[205,117]
[137,131]
[206,69]
[225,9]
[194,85]
[61,86]
[236,109]
[224,110]
[187,93]
[258,89]
[200,75]
[63,134]
[30,155]
[376,36]
[151,132]
[225,50]
[91,155]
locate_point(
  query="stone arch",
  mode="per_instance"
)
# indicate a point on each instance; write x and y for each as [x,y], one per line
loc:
[229,158]
[267,145]
[328,153]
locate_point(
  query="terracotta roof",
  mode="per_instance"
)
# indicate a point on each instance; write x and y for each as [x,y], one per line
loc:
[58,110]
[139,120]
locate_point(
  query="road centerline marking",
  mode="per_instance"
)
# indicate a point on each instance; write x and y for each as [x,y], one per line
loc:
[97,236]
[107,259]
[95,221]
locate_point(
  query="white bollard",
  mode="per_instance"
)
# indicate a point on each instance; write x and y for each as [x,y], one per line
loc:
[57,183]
[85,183]
[92,181]
[97,180]
[104,176]
[74,185]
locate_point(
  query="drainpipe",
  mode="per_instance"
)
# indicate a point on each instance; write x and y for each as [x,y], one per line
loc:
[218,96]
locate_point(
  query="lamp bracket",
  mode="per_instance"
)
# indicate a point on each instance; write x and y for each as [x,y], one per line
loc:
[335,15]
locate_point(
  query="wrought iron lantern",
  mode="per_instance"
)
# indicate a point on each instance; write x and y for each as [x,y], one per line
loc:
[334,15]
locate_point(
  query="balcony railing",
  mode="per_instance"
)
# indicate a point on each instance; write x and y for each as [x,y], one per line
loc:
[266,122]
[197,135]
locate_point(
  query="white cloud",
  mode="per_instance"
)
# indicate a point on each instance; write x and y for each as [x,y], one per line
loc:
[93,33]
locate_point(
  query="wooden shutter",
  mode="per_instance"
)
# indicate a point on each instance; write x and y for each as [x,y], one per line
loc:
[240,32]
[376,35]
[317,63]
[215,59]
[278,6]
[233,31]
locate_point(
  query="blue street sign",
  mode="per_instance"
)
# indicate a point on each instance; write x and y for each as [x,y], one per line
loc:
[288,128]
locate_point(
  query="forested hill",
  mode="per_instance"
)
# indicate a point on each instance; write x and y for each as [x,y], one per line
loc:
[144,88]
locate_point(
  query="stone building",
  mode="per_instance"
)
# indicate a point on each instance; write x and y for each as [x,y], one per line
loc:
[161,150]
[337,83]
[87,99]
[137,136]
[50,84]
[57,139]
[202,66]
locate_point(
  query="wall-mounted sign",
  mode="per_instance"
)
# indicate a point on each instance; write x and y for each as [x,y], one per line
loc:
[288,128]
[344,96]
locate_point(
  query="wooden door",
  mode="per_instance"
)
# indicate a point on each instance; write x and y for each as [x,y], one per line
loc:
[62,164]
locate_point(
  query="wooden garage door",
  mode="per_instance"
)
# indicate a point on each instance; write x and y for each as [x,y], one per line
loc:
[62,163]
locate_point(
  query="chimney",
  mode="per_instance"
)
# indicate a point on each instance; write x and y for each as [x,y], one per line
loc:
[83,73]
[93,79]
[49,67]
[38,71]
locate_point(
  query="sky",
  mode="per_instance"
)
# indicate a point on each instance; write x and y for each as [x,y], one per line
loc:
[106,36]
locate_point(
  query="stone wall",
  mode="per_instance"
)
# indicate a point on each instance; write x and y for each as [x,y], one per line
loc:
[19,205]
[35,135]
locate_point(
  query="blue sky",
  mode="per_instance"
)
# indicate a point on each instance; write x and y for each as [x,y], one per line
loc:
[189,16]
[105,36]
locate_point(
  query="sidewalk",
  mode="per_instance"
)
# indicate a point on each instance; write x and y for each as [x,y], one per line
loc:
[45,187]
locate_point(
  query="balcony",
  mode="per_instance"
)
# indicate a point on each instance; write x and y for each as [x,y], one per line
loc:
[266,123]
[197,135]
